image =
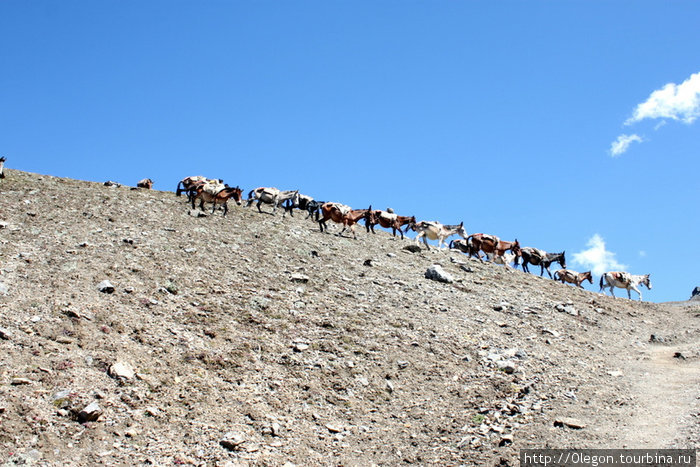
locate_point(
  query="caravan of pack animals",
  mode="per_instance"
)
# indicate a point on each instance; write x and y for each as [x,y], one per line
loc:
[202,190]
[214,191]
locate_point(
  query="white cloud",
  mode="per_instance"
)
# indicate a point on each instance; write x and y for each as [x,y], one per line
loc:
[597,258]
[623,143]
[673,101]
[642,254]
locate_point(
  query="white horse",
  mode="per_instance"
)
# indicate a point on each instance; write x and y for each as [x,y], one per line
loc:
[436,231]
[272,196]
[624,280]
[2,167]
[505,259]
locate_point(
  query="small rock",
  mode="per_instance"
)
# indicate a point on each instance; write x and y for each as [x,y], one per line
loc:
[302,278]
[389,386]
[507,366]
[196,213]
[20,381]
[4,290]
[105,287]
[466,268]
[570,423]
[506,440]
[232,441]
[368,262]
[550,332]
[436,273]
[334,428]
[121,370]
[190,250]
[402,364]
[90,413]
[300,346]
[64,340]
[5,334]
[413,248]
[679,355]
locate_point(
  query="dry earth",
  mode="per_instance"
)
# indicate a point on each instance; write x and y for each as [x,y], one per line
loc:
[257,340]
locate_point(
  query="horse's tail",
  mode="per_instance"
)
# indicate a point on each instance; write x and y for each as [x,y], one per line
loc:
[602,279]
[452,242]
[179,190]
[250,194]
[556,276]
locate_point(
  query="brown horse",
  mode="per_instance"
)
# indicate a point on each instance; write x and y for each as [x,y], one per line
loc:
[341,214]
[388,220]
[491,245]
[221,197]
[572,277]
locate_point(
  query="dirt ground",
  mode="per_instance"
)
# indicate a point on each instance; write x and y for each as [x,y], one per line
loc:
[257,340]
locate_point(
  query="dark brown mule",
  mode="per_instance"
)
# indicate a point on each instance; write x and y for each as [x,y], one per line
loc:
[342,215]
[573,277]
[388,220]
[491,245]
[221,197]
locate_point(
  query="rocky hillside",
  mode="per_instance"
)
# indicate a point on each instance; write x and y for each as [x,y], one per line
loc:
[256,340]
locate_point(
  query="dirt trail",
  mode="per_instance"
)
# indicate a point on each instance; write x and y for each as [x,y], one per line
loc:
[666,388]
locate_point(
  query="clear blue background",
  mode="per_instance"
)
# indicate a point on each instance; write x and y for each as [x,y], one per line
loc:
[498,114]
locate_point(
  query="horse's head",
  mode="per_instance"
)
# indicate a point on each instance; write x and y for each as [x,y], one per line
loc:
[646,281]
[461,231]
[562,259]
[515,248]
[237,194]
[589,276]
[411,224]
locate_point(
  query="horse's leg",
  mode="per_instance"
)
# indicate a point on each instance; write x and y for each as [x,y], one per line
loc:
[201,204]
[225,208]
[547,268]
[259,203]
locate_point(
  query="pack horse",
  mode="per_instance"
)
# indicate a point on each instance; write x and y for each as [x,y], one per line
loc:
[624,280]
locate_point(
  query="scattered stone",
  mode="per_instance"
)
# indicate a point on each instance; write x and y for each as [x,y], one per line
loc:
[657,339]
[190,250]
[550,332]
[505,440]
[300,346]
[232,441]
[122,370]
[466,268]
[64,340]
[679,356]
[112,184]
[20,381]
[334,428]
[402,364]
[5,334]
[105,287]
[90,413]
[436,273]
[567,308]
[368,262]
[413,248]
[389,386]
[196,213]
[4,289]
[507,366]
[570,423]
[301,278]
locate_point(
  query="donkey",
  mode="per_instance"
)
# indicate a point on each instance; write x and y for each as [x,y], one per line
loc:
[341,214]
[572,277]
[272,196]
[146,183]
[435,231]
[220,197]
[190,185]
[304,203]
[624,280]
[388,220]
[492,246]
[2,166]
[542,259]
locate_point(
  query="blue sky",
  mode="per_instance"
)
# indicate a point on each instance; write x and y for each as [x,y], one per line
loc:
[568,125]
